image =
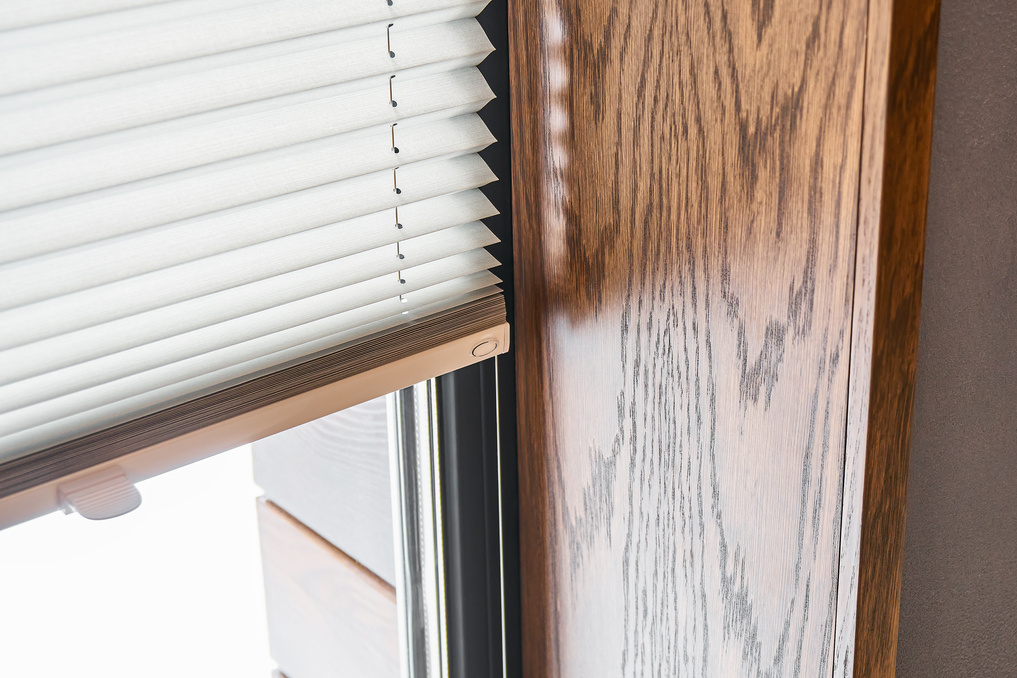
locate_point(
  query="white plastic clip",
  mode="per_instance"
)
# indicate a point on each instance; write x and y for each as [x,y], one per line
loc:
[105,494]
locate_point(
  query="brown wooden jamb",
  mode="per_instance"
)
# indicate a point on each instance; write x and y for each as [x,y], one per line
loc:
[896,147]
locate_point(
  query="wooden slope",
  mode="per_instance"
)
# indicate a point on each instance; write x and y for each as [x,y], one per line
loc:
[693,183]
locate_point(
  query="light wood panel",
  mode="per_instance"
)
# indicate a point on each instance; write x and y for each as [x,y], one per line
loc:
[328,616]
[687,180]
[332,475]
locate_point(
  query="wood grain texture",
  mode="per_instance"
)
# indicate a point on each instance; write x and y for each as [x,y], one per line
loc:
[328,616]
[900,88]
[686,191]
[684,258]
[332,475]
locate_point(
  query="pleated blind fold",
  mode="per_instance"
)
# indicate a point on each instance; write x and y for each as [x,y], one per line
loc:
[200,193]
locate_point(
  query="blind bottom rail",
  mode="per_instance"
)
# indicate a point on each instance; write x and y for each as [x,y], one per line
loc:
[107,445]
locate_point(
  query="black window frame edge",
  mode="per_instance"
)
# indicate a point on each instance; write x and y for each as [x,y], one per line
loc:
[480,522]
[477,440]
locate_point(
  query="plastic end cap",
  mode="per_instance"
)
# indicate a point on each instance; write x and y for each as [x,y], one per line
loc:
[101,495]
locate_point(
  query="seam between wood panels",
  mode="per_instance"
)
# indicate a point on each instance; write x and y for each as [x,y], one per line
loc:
[348,560]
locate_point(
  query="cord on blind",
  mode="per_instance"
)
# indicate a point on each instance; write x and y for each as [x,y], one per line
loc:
[198,193]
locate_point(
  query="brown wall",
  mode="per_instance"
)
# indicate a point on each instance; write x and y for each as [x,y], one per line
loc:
[959,602]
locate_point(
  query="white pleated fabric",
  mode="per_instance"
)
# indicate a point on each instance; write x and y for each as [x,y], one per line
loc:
[196,192]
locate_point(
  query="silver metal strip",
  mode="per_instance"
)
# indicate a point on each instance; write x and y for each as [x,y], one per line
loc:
[417,522]
[501,526]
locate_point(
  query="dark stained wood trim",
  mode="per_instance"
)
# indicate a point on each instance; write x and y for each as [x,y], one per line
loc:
[526,71]
[896,147]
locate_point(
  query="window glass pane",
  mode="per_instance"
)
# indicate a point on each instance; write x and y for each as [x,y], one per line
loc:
[171,589]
